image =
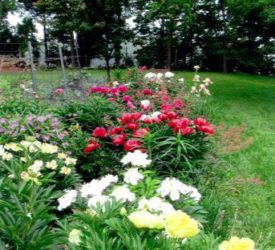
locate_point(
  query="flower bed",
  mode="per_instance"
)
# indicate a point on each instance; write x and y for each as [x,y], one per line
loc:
[116,170]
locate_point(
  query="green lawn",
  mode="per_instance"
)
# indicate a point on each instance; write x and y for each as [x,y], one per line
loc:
[240,195]
[242,199]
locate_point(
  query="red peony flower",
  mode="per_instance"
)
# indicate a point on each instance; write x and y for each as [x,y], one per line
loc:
[122,88]
[104,90]
[131,145]
[172,115]
[130,105]
[163,117]
[166,107]
[119,139]
[186,131]
[165,98]
[140,132]
[95,89]
[177,103]
[91,147]
[129,117]
[99,132]
[132,125]
[115,130]
[147,92]
[200,121]
[114,91]
[207,129]
[126,98]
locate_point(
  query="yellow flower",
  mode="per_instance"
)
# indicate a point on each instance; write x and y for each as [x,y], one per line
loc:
[7,156]
[180,225]
[70,161]
[65,171]
[23,159]
[74,237]
[236,243]
[61,156]
[74,127]
[48,148]
[145,219]
[13,146]
[51,165]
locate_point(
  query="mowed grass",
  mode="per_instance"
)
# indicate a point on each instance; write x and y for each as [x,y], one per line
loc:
[240,193]
[241,198]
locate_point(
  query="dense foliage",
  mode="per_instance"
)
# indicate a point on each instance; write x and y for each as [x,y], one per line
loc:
[220,35]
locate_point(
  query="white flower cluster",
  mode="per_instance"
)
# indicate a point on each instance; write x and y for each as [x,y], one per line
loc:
[156,205]
[6,156]
[94,191]
[106,189]
[150,116]
[97,186]
[173,188]
[136,159]
[158,77]
[67,199]
[132,176]
[203,86]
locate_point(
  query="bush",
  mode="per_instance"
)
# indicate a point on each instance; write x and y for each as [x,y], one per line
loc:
[92,112]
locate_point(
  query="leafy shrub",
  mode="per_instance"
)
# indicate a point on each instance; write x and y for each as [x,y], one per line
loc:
[26,216]
[16,106]
[94,111]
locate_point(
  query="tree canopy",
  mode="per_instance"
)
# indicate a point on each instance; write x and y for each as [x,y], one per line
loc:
[221,35]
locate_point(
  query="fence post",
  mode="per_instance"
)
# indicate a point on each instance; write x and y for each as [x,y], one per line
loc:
[62,66]
[34,84]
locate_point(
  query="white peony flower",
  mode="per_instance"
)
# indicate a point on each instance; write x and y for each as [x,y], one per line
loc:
[132,176]
[196,78]
[145,103]
[193,90]
[196,67]
[169,75]
[74,237]
[137,159]
[207,81]
[159,76]
[123,194]
[181,80]
[115,83]
[36,167]
[155,204]
[67,199]
[98,200]
[150,76]
[173,188]
[97,186]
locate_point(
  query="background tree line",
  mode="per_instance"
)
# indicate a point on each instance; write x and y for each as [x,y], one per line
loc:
[220,35]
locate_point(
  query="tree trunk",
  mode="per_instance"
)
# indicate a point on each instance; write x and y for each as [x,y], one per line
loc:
[169,49]
[107,59]
[72,50]
[45,37]
[225,57]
